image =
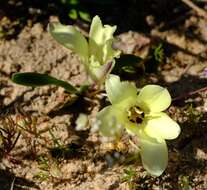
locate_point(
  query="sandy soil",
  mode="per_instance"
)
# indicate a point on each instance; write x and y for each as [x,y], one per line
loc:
[64,158]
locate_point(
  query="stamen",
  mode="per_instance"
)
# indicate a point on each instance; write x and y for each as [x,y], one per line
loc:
[135,115]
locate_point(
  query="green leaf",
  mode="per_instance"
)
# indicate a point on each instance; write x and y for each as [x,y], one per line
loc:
[37,79]
[73,14]
[129,69]
[159,53]
[71,38]
[74,2]
[70,2]
[127,63]
[84,16]
[82,89]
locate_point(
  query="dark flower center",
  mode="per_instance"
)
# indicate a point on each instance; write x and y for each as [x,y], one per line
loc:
[135,115]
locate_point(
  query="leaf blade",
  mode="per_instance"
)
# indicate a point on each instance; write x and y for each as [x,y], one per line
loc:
[37,79]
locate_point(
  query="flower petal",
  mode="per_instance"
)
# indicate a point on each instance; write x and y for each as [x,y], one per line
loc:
[100,41]
[122,93]
[132,128]
[100,34]
[110,121]
[162,126]
[71,38]
[154,98]
[154,155]
[108,52]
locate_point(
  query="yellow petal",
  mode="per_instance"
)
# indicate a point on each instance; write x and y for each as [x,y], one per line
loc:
[108,52]
[122,93]
[99,33]
[154,98]
[110,121]
[154,155]
[132,128]
[69,37]
[161,126]
[100,41]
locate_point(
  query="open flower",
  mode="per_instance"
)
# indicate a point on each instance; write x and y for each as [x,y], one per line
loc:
[140,114]
[97,53]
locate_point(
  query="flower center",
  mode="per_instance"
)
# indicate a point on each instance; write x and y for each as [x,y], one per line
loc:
[135,114]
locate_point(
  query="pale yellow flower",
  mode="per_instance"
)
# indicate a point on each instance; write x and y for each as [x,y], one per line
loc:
[97,53]
[140,113]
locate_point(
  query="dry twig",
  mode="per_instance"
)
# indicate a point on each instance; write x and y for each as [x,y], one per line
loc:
[198,10]
[189,94]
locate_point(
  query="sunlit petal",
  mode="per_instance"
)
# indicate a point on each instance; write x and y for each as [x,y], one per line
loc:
[119,92]
[132,128]
[110,121]
[154,98]
[154,155]
[99,33]
[100,41]
[108,52]
[71,38]
[162,126]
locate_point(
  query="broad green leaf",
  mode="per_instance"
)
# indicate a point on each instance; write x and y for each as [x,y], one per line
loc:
[37,79]
[71,38]
[127,63]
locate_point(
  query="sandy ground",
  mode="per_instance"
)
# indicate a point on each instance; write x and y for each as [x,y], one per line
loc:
[64,158]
